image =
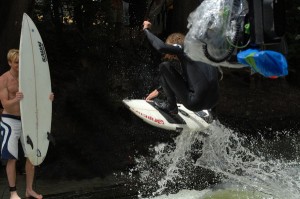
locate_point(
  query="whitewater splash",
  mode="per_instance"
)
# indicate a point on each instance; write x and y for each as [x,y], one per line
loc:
[195,161]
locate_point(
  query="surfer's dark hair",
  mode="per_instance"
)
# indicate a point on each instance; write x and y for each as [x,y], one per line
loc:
[12,54]
[172,39]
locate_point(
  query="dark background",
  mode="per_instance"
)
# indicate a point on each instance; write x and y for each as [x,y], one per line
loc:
[96,61]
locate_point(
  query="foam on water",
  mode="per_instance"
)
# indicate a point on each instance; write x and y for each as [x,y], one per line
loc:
[195,161]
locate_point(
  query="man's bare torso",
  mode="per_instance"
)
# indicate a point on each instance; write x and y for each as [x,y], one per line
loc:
[9,86]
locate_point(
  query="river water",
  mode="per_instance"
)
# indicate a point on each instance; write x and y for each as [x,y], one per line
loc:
[221,163]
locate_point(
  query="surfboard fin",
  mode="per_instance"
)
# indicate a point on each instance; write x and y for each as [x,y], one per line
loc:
[206,115]
[51,138]
[29,141]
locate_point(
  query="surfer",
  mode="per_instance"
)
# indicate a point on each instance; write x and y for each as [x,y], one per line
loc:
[197,88]
[11,129]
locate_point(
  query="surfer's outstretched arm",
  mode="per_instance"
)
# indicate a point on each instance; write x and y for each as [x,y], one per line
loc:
[158,44]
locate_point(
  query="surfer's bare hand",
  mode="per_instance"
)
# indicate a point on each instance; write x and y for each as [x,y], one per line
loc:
[51,97]
[146,25]
[152,95]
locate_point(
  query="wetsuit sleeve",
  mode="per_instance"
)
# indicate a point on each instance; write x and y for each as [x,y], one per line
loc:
[160,46]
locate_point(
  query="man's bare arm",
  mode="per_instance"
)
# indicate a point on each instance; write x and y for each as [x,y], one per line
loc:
[4,95]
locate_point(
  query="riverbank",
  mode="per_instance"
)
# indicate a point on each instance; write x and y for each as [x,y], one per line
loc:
[108,187]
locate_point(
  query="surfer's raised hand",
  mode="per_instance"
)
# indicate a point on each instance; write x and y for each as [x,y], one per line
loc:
[146,25]
[152,95]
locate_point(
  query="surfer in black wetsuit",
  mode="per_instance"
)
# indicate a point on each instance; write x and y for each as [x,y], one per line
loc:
[197,88]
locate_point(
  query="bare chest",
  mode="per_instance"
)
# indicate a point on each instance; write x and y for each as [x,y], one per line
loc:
[12,88]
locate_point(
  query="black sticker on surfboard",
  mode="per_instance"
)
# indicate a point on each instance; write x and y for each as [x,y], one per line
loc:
[42,51]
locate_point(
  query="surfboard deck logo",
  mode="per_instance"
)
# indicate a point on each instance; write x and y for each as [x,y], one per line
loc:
[35,83]
[43,51]
[158,121]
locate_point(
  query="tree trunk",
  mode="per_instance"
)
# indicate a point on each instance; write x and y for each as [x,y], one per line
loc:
[57,16]
[11,13]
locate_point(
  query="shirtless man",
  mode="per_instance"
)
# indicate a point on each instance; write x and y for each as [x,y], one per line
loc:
[10,98]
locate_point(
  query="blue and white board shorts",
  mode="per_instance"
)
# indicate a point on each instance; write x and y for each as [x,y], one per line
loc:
[11,132]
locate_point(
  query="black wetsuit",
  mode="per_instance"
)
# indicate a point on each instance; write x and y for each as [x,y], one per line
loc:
[197,88]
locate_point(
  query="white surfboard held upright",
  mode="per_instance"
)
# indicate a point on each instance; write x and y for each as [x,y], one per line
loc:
[184,120]
[35,83]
